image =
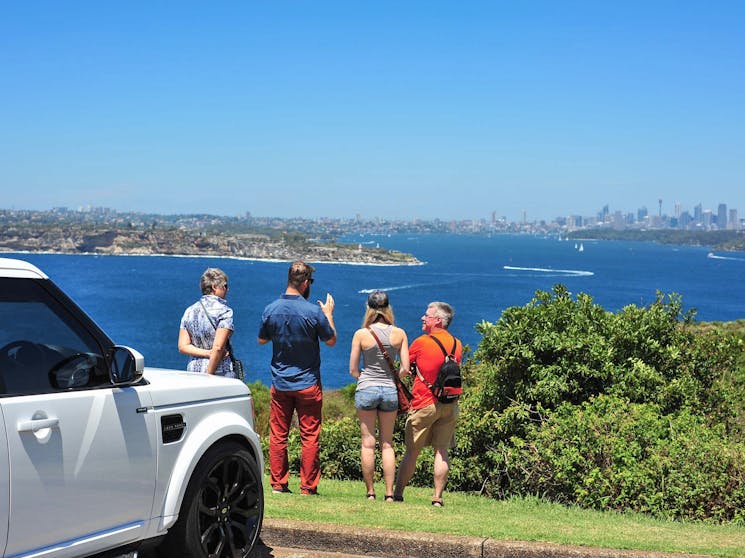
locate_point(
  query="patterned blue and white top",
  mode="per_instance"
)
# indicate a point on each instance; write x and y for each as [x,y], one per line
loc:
[202,333]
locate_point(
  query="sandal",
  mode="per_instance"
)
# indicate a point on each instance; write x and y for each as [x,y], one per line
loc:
[370,496]
[438,503]
[389,498]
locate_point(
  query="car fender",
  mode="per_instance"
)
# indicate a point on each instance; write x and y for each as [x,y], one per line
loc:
[209,431]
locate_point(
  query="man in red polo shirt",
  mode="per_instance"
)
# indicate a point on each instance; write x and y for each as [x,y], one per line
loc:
[430,422]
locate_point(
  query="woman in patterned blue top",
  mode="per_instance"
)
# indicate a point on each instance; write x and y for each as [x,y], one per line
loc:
[207,326]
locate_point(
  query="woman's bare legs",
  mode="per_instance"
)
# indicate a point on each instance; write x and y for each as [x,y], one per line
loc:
[386,421]
[367,451]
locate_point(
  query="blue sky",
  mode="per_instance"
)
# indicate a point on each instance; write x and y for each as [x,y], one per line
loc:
[383,109]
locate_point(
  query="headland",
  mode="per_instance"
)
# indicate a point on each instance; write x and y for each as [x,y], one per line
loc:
[178,242]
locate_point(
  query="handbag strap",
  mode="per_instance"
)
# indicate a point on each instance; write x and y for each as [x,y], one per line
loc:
[207,314]
[227,344]
[386,356]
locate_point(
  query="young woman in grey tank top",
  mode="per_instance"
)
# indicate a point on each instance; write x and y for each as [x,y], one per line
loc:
[376,398]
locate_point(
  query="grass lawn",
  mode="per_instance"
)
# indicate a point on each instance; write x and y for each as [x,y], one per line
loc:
[343,503]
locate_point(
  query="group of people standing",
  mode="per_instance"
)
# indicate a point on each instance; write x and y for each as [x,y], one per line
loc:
[295,327]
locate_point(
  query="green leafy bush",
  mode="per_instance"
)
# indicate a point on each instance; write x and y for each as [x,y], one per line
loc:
[260,394]
[582,406]
[610,454]
[340,449]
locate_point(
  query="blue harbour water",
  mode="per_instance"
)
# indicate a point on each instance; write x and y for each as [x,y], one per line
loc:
[139,300]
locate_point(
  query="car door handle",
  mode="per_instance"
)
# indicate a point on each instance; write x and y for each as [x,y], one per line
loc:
[33,425]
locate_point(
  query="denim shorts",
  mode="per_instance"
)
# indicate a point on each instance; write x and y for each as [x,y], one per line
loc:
[376,398]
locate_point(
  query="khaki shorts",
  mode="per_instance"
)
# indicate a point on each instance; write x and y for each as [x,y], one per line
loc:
[433,425]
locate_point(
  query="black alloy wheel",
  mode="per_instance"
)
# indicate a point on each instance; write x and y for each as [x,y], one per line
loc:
[228,518]
[223,507]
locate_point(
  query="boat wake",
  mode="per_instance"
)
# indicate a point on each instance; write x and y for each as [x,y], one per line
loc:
[565,272]
[387,289]
[715,257]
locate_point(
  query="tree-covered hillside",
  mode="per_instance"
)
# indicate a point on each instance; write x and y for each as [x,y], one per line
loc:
[717,240]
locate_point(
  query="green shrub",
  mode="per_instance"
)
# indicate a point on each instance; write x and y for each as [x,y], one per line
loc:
[610,454]
[340,449]
[529,422]
[260,394]
[339,403]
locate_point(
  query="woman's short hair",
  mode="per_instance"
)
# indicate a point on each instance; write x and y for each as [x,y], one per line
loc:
[443,311]
[212,277]
[378,306]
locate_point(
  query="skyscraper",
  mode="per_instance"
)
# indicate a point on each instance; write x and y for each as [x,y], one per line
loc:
[722,216]
[734,222]
[698,214]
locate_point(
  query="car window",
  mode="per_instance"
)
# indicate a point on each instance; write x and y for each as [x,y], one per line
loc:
[43,347]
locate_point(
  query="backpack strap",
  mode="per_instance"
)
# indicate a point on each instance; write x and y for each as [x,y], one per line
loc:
[445,354]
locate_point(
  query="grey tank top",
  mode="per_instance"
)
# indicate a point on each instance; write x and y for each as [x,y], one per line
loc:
[375,370]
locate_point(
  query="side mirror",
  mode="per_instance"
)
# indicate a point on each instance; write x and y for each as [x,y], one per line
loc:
[74,371]
[126,366]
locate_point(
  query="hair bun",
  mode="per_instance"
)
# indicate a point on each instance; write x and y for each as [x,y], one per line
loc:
[377,300]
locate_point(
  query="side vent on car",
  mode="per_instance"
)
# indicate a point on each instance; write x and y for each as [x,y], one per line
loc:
[172,427]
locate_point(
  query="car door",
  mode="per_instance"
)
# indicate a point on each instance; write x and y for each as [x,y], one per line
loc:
[81,466]
[81,452]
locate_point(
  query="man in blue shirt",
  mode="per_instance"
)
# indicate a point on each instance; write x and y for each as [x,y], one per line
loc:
[295,326]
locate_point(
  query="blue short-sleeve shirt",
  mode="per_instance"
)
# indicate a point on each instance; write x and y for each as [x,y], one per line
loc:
[295,326]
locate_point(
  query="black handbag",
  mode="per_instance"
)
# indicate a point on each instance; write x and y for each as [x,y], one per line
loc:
[237,364]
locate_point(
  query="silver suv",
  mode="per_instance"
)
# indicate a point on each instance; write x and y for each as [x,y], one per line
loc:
[99,453]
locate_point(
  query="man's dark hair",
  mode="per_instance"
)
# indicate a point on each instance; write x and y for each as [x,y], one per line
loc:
[299,272]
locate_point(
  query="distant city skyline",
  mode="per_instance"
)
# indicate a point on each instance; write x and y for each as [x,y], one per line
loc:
[700,217]
[658,210]
[387,110]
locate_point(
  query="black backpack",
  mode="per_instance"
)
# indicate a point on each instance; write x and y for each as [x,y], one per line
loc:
[448,385]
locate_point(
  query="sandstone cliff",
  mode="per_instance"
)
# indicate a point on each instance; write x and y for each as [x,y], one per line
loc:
[190,243]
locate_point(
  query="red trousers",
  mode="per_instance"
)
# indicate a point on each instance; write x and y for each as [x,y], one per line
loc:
[308,404]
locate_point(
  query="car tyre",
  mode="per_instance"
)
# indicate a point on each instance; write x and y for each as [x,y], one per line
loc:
[223,507]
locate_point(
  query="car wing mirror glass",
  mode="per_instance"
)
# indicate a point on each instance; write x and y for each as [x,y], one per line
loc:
[126,367]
